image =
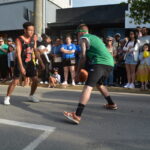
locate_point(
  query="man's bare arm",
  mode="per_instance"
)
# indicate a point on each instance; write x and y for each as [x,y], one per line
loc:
[5,51]
[82,59]
[18,54]
[67,51]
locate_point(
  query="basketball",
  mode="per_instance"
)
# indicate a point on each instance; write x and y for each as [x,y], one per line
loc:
[83,75]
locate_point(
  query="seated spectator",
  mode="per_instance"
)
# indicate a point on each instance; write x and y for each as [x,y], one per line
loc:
[54,78]
[131,58]
[143,71]
[69,61]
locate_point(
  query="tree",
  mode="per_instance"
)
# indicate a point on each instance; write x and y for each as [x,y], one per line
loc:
[140,11]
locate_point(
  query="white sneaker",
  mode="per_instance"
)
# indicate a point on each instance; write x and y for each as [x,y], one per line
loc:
[65,83]
[127,85]
[73,83]
[41,82]
[46,82]
[33,99]
[131,86]
[7,100]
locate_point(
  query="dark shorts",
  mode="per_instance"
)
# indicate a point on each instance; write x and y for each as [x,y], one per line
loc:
[12,63]
[69,62]
[29,67]
[97,74]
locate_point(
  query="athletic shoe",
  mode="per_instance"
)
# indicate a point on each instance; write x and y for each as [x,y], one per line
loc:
[73,83]
[112,107]
[46,82]
[41,82]
[33,99]
[7,100]
[65,83]
[131,86]
[72,117]
[127,85]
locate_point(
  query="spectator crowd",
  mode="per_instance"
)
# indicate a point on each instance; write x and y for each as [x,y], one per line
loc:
[60,57]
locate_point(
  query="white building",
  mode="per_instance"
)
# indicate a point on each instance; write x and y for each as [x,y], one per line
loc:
[13,13]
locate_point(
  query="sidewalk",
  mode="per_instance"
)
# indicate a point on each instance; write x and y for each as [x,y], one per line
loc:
[111,89]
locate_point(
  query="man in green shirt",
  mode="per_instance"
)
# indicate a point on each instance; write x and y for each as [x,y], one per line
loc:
[3,59]
[99,63]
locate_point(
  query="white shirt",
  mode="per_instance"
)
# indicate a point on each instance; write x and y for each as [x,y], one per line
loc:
[134,49]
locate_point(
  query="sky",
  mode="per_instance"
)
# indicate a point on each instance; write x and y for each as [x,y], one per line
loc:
[80,3]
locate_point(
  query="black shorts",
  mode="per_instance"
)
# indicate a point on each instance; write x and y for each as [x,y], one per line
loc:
[12,63]
[29,67]
[69,62]
[97,74]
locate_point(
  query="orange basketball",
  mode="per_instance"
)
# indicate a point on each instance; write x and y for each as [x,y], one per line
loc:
[83,75]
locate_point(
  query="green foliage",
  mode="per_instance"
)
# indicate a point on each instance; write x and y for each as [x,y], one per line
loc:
[140,11]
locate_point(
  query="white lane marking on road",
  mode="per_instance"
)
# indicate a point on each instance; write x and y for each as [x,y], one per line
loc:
[47,131]
[27,125]
[37,141]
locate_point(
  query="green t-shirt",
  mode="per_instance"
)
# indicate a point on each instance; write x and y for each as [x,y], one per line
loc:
[4,46]
[97,53]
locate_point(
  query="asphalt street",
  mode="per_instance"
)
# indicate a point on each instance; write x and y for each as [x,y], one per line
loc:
[23,123]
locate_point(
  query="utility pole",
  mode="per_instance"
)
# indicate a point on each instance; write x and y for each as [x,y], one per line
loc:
[38,16]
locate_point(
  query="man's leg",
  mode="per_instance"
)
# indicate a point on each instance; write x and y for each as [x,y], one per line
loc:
[10,89]
[66,71]
[72,71]
[33,89]
[105,93]
[34,85]
[12,86]
[85,96]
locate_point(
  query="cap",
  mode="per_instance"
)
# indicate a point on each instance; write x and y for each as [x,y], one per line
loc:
[13,46]
[118,34]
[109,38]
[10,39]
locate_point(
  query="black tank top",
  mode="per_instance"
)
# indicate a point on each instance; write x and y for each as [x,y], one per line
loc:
[27,50]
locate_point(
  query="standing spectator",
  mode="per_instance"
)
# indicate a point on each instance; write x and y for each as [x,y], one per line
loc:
[144,39]
[69,61]
[138,32]
[116,42]
[120,72]
[11,59]
[131,58]
[143,72]
[78,50]
[116,45]
[113,52]
[45,49]
[56,53]
[3,60]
